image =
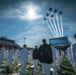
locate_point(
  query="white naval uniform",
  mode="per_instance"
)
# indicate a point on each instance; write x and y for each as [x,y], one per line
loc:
[73,48]
[56,55]
[5,54]
[9,57]
[30,57]
[1,55]
[53,54]
[23,60]
[16,56]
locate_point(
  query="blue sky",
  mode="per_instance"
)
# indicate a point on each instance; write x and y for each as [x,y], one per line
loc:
[16,22]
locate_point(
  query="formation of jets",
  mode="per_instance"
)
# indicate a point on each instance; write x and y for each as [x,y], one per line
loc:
[55,11]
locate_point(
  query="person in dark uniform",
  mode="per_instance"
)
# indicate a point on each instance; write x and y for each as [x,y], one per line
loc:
[45,57]
[36,58]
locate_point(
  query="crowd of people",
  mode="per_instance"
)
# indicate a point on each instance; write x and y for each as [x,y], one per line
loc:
[47,55]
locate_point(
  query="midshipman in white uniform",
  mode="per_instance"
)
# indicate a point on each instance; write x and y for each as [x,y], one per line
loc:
[10,56]
[23,60]
[9,59]
[5,54]
[2,50]
[16,56]
[30,57]
[56,55]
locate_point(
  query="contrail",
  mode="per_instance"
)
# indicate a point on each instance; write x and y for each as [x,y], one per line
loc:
[61,25]
[58,24]
[50,29]
[53,27]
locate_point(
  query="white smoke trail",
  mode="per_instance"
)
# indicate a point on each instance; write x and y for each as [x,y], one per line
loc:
[58,25]
[50,29]
[61,25]
[52,26]
[55,26]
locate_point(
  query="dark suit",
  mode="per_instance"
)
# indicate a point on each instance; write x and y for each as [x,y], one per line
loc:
[36,58]
[45,54]
[35,54]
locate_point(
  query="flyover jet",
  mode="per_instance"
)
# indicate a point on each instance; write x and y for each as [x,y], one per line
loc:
[55,11]
[47,14]
[50,9]
[60,12]
[52,15]
[45,18]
